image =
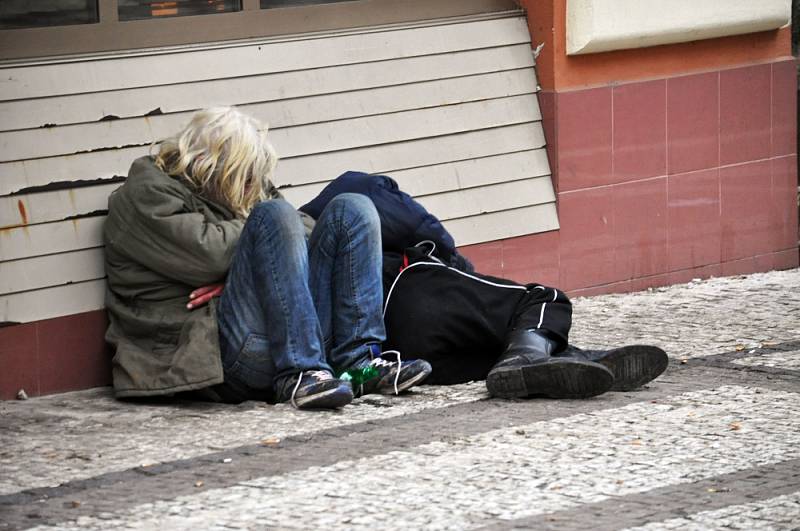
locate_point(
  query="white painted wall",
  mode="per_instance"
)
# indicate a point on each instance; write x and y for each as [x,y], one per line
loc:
[604,25]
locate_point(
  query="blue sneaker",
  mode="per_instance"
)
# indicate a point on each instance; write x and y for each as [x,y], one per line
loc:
[391,375]
[314,389]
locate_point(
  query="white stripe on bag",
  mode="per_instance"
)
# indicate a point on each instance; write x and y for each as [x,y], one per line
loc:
[394,283]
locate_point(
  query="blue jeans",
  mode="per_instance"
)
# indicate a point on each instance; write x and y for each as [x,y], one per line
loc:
[291,305]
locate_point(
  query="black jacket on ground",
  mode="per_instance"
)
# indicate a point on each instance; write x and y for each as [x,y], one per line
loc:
[459,321]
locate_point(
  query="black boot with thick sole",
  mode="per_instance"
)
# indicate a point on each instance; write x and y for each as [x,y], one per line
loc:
[632,365]
[528,368]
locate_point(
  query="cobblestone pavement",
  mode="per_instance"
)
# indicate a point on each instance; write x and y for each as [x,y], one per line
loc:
[712,444]
[778,512]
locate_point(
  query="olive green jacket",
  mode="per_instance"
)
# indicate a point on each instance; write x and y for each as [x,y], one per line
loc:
[161,242]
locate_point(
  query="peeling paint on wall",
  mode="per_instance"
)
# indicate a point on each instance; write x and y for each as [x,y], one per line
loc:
[91,214]
[66,185]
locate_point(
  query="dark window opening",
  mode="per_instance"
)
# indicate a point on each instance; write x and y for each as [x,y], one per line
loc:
[143,9]
[266,4]
[17,14]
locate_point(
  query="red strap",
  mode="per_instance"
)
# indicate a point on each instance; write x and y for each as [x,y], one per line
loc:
[405,262]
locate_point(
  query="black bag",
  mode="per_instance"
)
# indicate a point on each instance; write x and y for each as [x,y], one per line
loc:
[459,321]
[456,321]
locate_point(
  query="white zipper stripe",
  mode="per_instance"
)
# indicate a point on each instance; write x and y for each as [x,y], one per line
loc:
[541,315]
[544,304]
[394,283]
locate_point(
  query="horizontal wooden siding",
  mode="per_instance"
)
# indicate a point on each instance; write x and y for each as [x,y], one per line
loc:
[449,110]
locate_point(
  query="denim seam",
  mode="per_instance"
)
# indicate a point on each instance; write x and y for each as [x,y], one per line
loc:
[281,296]
[315,281]
[361,315]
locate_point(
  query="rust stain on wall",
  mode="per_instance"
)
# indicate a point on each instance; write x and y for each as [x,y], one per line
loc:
[22,213]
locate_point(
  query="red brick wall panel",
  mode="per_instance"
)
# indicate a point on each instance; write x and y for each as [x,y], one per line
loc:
[587,238]
[693,122]
[535,258]
[584,129]
[747,218]
[784,108]
[54,355]
[640,228]
[82,334]
[786,259]
[640,130]
[745,114]
[693,213]
[486,257]
[19,362]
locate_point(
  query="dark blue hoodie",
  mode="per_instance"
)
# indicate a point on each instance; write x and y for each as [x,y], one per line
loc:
[404,222]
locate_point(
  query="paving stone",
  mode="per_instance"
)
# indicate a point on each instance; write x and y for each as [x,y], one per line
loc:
[502,474]
[83,434]
[443,458]
[782,360]
[780,512]
[698,318]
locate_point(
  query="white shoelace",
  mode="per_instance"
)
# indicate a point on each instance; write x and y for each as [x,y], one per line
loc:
[321,375]
[380,362]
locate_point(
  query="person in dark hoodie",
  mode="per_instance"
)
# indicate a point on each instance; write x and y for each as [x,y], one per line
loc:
[470,326]
[299,301]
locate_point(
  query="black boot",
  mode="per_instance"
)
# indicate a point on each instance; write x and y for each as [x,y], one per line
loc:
[527,367]
[632,365]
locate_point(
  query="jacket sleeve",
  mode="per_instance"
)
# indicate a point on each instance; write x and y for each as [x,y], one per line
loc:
[172,236]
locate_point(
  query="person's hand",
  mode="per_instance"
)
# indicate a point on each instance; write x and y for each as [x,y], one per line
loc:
[203,294]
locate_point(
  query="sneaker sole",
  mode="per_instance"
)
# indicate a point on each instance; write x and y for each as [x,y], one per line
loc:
[402,386]
[330,399]
[635,365]
[555,378]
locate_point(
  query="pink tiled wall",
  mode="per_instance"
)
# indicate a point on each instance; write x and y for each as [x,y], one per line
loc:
[663,181]
[54,355]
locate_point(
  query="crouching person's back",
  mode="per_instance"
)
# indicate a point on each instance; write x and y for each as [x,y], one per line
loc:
[161,240]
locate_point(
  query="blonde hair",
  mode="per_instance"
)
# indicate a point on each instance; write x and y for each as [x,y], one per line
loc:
[224,156]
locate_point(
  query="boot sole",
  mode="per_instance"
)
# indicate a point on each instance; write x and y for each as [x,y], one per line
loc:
[635,365]
[554,378]
[330,399]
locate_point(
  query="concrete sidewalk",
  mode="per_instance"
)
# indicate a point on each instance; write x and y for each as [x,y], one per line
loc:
[714,443]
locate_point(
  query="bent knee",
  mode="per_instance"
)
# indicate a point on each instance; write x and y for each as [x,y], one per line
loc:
[278,215]
[356,206]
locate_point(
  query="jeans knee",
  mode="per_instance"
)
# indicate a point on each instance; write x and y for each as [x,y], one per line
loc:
[358,209]
[278,215]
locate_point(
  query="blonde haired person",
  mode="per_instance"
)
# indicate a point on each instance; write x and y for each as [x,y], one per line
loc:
[301,300]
